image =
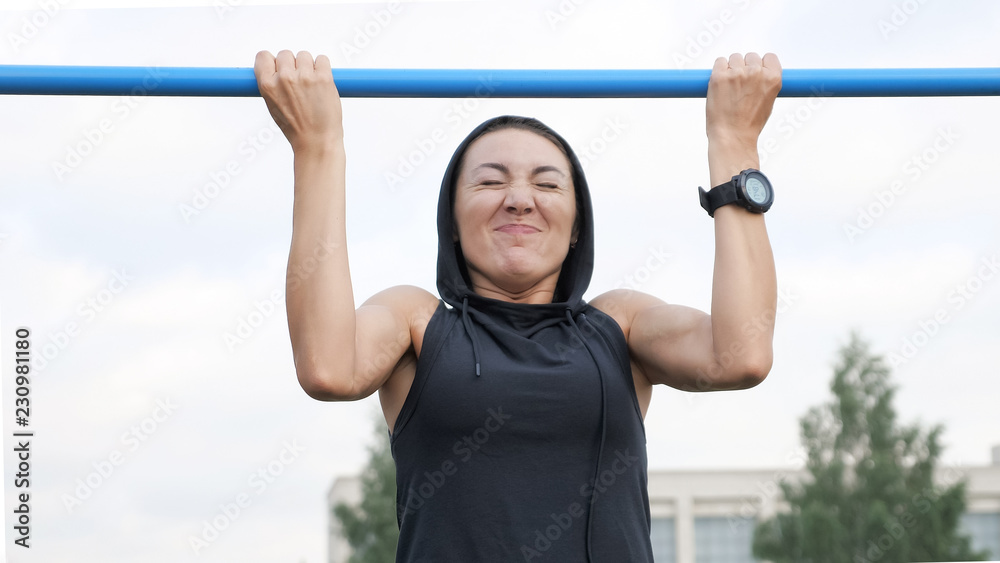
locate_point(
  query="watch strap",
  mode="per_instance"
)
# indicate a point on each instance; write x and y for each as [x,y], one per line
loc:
[720,195]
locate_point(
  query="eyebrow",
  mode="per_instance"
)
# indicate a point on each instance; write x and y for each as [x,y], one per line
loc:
[538,169]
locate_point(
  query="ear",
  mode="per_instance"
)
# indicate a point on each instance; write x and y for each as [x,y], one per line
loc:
[576,230]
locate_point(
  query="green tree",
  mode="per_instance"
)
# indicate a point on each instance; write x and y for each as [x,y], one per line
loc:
[870,494]
[371,527]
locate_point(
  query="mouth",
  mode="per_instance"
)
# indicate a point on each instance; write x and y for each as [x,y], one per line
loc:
[518,229]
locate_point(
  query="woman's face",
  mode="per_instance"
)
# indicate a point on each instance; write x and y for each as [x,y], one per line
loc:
[514,210]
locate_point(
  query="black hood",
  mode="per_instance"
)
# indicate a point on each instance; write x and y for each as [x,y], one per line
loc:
[452,275]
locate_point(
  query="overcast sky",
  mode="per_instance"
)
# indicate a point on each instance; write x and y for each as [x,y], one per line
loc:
[117,254]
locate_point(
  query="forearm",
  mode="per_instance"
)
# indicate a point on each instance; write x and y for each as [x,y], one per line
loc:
[319,297]
[744,288]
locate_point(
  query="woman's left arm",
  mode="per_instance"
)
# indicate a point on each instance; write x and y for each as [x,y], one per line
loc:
[731,348]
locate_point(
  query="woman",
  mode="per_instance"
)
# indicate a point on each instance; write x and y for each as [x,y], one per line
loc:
[515,408]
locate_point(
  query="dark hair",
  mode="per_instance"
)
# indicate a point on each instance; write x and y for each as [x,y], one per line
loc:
[517,122]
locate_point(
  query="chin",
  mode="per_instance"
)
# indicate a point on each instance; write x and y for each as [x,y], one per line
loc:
[519,261]
[533,269]
[517,264]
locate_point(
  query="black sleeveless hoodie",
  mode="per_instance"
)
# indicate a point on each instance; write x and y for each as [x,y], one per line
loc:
[521,438]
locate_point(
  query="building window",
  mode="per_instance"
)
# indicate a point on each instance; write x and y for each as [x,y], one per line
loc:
[984,529]
[722,540]
[663,537]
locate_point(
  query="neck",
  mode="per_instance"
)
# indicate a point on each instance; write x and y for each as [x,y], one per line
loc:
[539,293]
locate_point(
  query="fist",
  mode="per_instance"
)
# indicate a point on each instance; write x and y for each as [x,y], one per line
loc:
[741,93]
[301,97]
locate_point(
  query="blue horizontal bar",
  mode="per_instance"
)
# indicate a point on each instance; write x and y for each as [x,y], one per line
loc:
[506,83]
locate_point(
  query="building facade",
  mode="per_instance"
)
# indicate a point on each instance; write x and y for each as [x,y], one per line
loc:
[709,516]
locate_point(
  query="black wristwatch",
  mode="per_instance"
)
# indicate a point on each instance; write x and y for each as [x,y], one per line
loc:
[750,189]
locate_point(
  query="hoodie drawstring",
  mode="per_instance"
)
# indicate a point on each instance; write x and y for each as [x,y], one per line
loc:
[604,424]
[471,332]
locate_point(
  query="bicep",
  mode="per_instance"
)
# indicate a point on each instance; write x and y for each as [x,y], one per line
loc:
[670,344]
[673,346]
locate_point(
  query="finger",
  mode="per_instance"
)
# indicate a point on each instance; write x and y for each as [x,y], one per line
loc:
[263,65]
[736,61]
[770,61]
[721,63]
[323,63]
[285,59]
[752,59]
[323,66]
[304,61]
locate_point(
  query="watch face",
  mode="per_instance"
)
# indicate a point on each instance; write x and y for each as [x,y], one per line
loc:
[756,191]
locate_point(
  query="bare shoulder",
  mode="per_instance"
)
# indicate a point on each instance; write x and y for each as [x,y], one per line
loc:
[402,297]
[405,307]
[622,305]
[667,343]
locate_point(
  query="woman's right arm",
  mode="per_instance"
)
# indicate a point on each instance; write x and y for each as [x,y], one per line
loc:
[334,347]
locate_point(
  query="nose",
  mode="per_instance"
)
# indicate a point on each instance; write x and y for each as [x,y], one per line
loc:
[520,199]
